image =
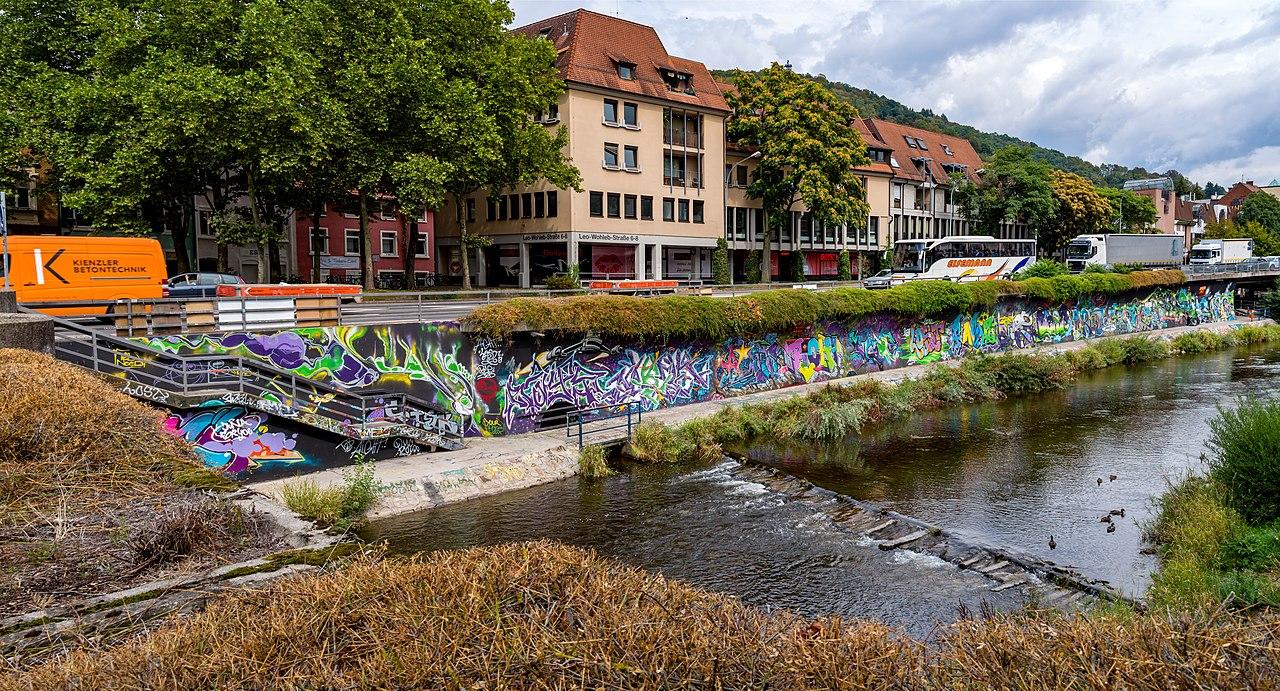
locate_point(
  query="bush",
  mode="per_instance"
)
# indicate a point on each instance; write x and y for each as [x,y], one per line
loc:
[1245,445]
[1192,524]
[1201,342]
[340,506]
[720,263]
[655,442]
[751,271]
[1144,349]
[591,462]
[1043,268]
[797,266]
[844,267]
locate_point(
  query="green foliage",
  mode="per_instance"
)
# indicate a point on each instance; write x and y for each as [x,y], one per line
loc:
[1212,189]
[1263,209]
[655,442]
[720,263]
[1015,186]
[1270,300]
[591,462]
[1266,242]
[1081,210]
[751,272]
[844,268]
[341,505]
[1245,443]
[1200,342]
[1044,268]
[1133,212]
[779,310]
[797,266]
[570,280]
[1254,549]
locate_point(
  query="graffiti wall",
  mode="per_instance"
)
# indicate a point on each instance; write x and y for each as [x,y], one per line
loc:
[530,382]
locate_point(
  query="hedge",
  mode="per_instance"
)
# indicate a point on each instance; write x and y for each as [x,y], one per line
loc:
[780,310]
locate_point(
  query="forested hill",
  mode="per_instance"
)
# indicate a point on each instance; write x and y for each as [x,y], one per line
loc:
[871,104]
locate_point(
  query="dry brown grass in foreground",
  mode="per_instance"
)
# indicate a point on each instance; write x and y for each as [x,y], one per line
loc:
[539,615]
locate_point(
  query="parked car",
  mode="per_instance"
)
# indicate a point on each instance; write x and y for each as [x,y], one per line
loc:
[198,285]
[880,280]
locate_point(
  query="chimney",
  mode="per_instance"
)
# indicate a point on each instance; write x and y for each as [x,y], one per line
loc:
[1248,182]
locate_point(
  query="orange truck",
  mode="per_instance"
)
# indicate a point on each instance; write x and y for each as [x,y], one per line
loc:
[70,268]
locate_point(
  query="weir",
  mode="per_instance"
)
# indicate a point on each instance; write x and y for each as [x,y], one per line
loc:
[317,397]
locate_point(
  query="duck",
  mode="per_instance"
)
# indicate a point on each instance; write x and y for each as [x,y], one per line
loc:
[1111,527]
[1122,513]
[1052,544]
[1099,482]
[1106,518]
[1117,512]
[1112,477]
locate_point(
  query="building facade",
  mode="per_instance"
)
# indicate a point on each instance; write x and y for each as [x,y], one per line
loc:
[334,254]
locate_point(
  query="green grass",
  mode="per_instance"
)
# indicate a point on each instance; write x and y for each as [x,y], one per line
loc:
[779,310]
[591,462]
[1245,460]
[339,506]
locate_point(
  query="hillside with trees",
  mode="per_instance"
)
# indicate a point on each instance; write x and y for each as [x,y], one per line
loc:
[871,104]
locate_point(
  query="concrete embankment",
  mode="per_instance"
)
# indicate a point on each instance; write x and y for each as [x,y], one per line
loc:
[494,465]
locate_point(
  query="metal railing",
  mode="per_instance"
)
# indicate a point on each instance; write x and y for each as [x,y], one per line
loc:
[629,414]
[160,377]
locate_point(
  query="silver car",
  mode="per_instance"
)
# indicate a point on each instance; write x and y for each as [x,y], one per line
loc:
[880,280]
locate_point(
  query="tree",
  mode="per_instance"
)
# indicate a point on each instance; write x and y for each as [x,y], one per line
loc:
[751,270]
[1212,189]
[1263,209]
[797,265]
[1014,187]
[720,263]
[1265,241]
[1081,210]
[808,149]
[844,268]
[1130,212]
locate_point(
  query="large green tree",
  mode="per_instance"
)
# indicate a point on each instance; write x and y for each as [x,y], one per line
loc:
[1130,212]
[1081,210]
[1014,186]
[1266,242]
[1263,209]
[808,149]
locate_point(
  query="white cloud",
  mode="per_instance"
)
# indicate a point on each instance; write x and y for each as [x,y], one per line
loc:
[1182,84]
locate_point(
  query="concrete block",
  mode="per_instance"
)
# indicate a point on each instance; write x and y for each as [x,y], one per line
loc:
[8,301]
[30,331]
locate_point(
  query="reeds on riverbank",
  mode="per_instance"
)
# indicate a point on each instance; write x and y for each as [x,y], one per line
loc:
[540,615]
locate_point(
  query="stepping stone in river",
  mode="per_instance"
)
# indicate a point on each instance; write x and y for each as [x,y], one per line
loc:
[1012,583]
[898,542]
[970,561]
[880,527]
[992,567]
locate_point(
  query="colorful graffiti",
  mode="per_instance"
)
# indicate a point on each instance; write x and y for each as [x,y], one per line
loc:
[234,439]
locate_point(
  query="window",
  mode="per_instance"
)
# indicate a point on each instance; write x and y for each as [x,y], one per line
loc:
[471,210]
[630,158]
[740,173]
[551,204]
[626,70]
[492,209]
[646,208]
[420,247]
[806,227]
[673,169]
[353,242]
[319,238]
[920,143]
[351,209]
[387,210]
[740,223]
[911,142]
[697,211]
[597,203]
[610,155]
[683,206]
[514,207]
[681,128]
[629,206]
[388,246]
[615,202]
[203,229]
[502,208]
[610,111]
[551,117]
[630,116]
[526,205]
[668,209]
[677,81]
[947,150]
[539,204]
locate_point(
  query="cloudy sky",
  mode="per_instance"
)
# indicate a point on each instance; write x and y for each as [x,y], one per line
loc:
[1187,85]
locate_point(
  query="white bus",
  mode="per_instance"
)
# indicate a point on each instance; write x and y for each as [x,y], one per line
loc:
[960,258]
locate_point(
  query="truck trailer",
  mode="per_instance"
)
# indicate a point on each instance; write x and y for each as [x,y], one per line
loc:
[1125,248]
[1224,251]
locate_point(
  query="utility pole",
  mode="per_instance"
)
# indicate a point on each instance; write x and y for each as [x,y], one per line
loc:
[4,237]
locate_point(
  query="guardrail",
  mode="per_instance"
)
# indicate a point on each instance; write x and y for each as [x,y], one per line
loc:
[577,419]
[1264,266]
[182,381]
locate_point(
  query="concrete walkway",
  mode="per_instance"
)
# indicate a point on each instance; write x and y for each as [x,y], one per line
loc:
[491,465]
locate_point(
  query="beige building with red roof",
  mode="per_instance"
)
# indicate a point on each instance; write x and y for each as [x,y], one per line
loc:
[646,129]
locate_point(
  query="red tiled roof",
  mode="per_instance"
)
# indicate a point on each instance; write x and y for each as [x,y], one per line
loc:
[891,135]
[590,46]
[1235,196]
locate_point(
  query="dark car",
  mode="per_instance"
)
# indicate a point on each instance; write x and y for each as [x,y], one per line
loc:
[198,285]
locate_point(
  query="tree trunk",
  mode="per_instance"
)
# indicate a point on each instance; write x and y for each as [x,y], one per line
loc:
[262,263]
[224,258]
[317,209]
[766,265]
[277,266]
[181,237]
[366,241]
[252,192]
[462,240]
[411,263]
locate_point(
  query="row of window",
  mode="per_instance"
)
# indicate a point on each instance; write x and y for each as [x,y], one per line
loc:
[516,206]
[616,205]
[743,223]
[630,158]
[388,243]
[630,114]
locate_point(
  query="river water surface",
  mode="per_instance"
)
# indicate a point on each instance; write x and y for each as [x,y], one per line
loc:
[1007,474]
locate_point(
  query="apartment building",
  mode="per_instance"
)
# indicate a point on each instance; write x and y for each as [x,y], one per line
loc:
[333,255]
[1161,193]
[646,129]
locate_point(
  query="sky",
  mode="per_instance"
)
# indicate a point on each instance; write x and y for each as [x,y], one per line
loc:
[1188,85]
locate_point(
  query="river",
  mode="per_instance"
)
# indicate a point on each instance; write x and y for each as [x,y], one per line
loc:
[1007,474]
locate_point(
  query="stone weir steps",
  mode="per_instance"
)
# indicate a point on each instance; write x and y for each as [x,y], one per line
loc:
[1045,584]
[200,381]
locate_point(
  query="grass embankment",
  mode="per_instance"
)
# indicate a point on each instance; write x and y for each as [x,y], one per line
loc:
[781,310]
[545,616]
[94,495]
[835,411]
[1219,535]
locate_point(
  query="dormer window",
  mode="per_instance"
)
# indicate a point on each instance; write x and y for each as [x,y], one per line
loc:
[911,142]
[920,143]
[947,150]
[626,70]
[678,81]
[545,33]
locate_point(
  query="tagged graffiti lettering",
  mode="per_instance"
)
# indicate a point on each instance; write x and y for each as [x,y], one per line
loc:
[234,439]
[263,404]
[146,391]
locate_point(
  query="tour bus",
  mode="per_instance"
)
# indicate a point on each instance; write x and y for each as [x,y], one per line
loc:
[960,258]
[71,268]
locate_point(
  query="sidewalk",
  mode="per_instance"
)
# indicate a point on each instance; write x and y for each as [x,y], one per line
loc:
[491,465]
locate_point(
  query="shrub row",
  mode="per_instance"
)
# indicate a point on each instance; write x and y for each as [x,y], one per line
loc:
[546,616]
[836,411]
[780,310]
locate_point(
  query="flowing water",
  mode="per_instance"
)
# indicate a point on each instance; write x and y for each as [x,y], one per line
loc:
[1007,474]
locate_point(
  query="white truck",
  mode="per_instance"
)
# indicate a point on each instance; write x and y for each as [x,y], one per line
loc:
[1125,248]
[1226,251]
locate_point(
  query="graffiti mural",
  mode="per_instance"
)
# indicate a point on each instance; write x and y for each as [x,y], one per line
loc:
[533,380]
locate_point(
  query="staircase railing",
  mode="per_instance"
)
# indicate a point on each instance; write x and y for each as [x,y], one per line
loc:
[164,377]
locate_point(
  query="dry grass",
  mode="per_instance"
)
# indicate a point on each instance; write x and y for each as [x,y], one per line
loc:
[65,434]
[540,615]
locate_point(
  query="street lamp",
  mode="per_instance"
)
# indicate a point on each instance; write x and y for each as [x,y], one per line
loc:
[728,175]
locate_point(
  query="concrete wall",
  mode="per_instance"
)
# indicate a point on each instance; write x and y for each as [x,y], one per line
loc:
[501,388]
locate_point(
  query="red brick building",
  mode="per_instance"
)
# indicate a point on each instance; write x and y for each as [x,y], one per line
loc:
[340,246]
